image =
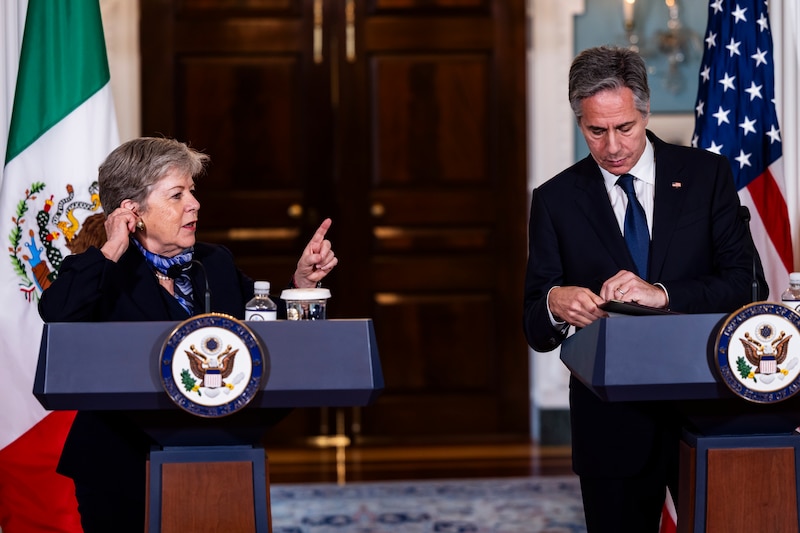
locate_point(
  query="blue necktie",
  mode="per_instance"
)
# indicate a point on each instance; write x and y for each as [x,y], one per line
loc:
[637,236]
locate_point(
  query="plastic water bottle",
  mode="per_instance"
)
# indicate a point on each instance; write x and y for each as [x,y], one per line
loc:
[261,307]
[791,296]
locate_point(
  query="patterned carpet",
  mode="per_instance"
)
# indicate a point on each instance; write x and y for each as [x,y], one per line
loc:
[511,505]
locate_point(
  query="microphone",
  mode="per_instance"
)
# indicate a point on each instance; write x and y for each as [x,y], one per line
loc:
[744,214]
[175,271]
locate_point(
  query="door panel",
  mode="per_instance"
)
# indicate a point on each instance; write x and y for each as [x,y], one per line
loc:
[253,134]
[423,132]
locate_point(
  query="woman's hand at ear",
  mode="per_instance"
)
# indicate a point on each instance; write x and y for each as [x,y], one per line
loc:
[119,225]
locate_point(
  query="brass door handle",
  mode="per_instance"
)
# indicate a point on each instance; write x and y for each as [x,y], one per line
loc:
[295,211]
[377,210]
[350,30]
[318,19]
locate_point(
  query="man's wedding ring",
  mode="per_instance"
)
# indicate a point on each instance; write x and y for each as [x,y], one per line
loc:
[620,291]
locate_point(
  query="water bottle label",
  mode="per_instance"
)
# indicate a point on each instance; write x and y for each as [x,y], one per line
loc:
[260,315]
[794,304]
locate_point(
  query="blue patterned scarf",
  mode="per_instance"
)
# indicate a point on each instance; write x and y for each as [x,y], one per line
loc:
[183,285]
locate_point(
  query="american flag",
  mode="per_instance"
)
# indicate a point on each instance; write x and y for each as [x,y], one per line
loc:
[735,116]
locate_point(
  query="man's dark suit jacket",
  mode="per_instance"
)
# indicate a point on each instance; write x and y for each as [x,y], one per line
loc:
[103,447]
[699,251]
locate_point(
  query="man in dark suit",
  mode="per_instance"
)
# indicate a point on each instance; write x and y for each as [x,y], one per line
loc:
[694,257]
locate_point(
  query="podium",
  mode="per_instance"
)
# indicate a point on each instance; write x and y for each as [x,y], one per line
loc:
[738,460]
[202,465]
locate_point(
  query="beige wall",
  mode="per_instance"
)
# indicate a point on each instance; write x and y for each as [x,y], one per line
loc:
[121,27]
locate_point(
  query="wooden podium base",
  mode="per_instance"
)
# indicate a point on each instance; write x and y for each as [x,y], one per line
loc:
[207,489]
[739,483]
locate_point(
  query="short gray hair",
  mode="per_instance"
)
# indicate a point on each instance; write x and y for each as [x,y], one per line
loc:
[133,168]
[608,67]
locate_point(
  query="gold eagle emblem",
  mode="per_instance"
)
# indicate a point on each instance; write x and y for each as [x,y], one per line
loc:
[755,351]
[202,364]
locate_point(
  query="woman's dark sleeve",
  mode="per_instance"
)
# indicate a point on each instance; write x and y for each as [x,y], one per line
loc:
[77,292]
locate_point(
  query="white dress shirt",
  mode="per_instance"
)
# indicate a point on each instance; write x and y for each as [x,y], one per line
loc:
[645,185]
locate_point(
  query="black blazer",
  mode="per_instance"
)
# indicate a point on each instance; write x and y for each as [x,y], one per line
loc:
[699,251]
[107,447]
[90,288]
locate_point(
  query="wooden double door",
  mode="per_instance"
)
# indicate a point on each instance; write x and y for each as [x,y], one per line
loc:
[404,121]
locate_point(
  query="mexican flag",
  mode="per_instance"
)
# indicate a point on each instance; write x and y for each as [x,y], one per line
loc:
[58,130]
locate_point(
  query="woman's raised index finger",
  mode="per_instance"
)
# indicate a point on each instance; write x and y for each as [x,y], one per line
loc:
[319,235]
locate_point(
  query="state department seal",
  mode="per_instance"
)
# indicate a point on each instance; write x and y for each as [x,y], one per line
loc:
[212,365]
[758,352]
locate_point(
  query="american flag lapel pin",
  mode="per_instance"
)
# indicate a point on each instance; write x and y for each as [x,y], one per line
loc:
[677,184]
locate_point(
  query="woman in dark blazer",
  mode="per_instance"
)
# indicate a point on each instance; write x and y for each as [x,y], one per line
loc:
[143,272]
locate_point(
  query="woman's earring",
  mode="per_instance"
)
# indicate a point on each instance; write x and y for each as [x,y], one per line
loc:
[140,224]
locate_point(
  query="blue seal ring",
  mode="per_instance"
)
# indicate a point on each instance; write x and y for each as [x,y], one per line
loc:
[199,327]
[764,320]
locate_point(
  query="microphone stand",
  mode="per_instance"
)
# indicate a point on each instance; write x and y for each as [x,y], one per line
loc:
[207,295]
[744,213]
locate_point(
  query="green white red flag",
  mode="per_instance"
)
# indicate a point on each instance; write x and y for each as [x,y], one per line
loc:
[60,128]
